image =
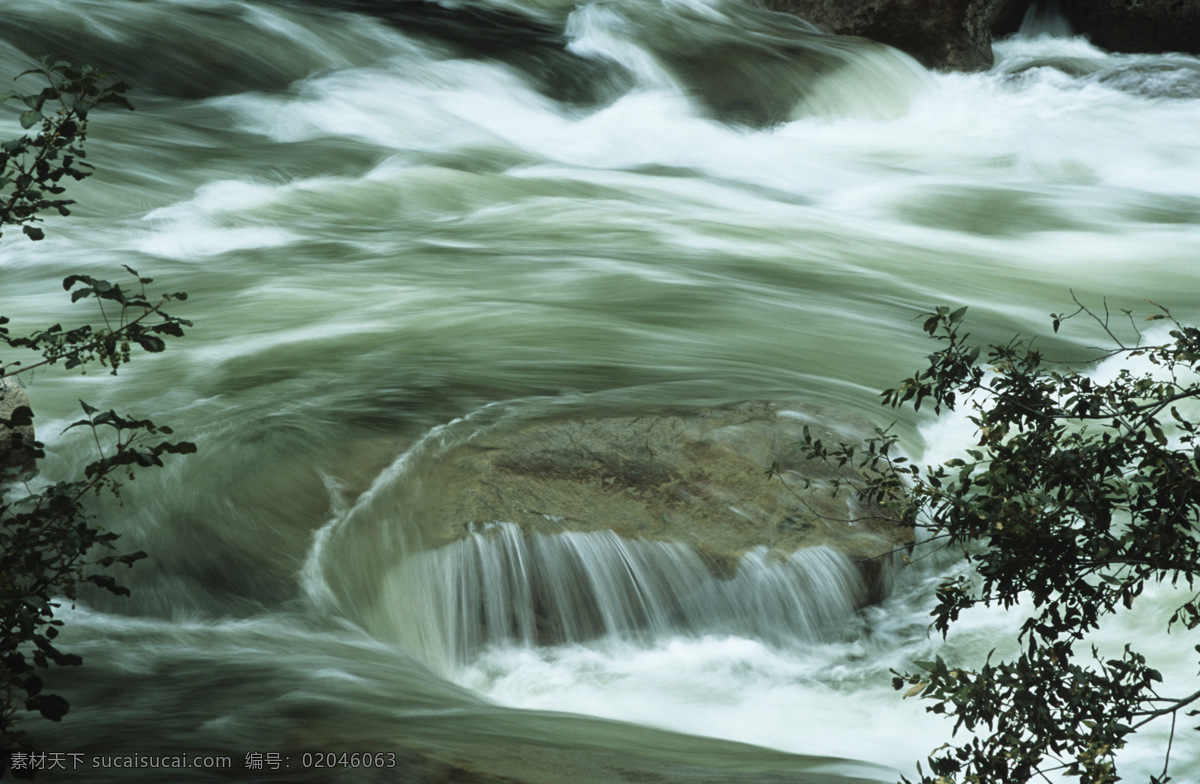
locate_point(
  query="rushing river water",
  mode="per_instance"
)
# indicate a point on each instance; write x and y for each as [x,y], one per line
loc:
[392,226]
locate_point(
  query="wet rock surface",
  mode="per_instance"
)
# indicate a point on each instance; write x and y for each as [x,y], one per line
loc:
[694,476]
[944,34]
[1137,25]
[956,35]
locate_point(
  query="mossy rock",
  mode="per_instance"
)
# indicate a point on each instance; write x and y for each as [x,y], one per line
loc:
[696,476]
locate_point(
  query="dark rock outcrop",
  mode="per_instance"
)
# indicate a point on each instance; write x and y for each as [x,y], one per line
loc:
[1137,25]
[944,34]
[956,35]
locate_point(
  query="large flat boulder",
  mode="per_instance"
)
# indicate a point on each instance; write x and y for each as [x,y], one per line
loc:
[693,476]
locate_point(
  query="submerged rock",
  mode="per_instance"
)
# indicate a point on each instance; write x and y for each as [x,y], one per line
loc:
[647,525]
[530,40]
[696,477]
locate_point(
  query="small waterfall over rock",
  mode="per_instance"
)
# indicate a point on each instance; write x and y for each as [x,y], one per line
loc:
[625,526]
[503,585]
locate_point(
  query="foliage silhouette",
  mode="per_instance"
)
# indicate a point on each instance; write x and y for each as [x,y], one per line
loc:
[1079,493]
[50,545]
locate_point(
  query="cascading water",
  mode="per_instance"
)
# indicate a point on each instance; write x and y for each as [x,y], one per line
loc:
[505,587]
[392,224]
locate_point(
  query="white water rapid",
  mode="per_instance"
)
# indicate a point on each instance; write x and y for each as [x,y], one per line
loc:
[397,223]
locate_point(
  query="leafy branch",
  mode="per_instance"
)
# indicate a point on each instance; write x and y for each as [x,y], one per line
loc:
[32,168]
[1077,494]
[50,545]
[48,548]
[140,322]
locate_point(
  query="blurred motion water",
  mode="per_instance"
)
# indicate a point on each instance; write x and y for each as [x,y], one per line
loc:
[391,218]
